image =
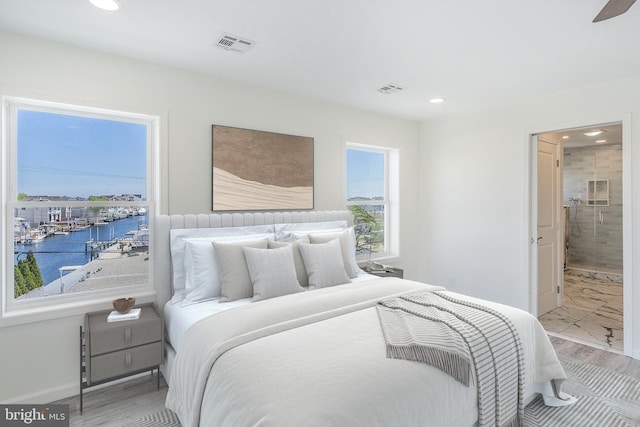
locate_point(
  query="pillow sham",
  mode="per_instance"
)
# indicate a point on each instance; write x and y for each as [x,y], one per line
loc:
[235,281]
[301,272]
[288,232]
[347,246]
[324,265]
[272,272]
[201,272]
[179,236]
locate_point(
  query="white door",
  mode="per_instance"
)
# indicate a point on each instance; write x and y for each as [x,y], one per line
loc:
[548,239]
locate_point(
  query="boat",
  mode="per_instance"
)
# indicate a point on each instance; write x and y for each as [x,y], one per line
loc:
[36,235]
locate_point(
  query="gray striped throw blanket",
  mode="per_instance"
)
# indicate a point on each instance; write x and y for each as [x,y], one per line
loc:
[457,336]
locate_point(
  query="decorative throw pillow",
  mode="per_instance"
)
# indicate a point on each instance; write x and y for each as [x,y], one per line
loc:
[347,246]
[324,265]
[235,281]
[272,272]
[301,272]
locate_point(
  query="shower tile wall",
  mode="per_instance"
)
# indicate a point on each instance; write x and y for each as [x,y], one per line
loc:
[605,253]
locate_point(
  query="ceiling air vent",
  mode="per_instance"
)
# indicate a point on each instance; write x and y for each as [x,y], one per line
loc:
[234,43]
[390,88]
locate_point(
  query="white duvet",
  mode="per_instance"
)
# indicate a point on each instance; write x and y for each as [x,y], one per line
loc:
[318,358]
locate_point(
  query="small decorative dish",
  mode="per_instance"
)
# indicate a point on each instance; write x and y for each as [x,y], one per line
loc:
[123,305]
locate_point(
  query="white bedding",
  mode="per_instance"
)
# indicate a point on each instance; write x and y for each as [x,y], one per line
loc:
[318,358]
[179,318]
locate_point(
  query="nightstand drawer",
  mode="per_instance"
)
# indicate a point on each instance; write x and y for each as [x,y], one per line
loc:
[127,335]
[121,362]
[396,272]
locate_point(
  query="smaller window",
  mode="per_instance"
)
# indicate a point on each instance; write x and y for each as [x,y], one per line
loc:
[369,196]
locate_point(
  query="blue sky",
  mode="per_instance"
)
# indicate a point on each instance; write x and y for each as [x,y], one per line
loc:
[61,155]
[365,173]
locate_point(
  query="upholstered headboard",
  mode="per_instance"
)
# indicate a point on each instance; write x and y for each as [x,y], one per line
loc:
[165,223]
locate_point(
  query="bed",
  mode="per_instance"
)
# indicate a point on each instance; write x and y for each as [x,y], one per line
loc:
[270,322]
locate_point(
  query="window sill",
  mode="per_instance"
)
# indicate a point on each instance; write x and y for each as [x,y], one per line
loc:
[22,315]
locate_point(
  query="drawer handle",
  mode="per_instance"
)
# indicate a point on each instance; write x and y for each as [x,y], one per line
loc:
[127,359]
[127,335]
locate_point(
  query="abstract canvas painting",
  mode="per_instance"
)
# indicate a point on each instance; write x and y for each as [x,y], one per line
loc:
[258,170]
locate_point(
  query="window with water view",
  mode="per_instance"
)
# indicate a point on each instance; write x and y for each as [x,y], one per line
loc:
[79,199]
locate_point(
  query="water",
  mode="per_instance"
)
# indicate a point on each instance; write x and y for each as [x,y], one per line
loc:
[56,251]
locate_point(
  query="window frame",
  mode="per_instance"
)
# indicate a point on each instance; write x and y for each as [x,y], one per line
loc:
[12,310]
[391,199]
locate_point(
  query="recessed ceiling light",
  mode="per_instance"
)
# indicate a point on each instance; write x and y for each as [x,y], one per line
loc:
[593,133]
[436,100]
[601,141]
[110,5]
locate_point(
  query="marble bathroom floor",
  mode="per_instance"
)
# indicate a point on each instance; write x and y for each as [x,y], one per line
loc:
[590,314]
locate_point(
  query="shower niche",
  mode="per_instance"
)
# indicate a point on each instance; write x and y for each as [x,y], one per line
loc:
[598,192]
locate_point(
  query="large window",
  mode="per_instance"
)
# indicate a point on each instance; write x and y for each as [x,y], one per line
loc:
[372,193]
[78,192]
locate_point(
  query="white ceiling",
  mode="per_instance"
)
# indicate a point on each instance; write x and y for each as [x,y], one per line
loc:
[572,138]
[476,54]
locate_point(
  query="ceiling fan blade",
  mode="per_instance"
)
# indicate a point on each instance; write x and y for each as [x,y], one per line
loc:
[613,8]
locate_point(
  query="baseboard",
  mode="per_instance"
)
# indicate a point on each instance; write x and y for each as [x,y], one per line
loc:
[42,397]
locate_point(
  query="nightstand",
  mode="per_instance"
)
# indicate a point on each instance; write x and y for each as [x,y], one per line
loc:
[114,350]
[397,272]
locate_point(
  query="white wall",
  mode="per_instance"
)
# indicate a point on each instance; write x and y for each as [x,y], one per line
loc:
[39,360]
[475,191]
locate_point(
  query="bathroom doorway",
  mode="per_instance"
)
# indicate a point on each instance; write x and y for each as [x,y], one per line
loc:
[591,300]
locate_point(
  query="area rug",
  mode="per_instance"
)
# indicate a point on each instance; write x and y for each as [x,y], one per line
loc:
[605,398]
[164,418]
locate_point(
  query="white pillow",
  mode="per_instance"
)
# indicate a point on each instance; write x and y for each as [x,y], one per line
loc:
[324,264]
[285,232]
[179,236]
[235,281]
[201,272]
[272,272]
[347,246]
[301,272]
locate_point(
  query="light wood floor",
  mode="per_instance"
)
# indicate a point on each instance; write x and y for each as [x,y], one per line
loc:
[118,404]
[115,405]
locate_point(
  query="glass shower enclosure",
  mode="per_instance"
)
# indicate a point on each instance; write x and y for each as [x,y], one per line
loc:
[593,208]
